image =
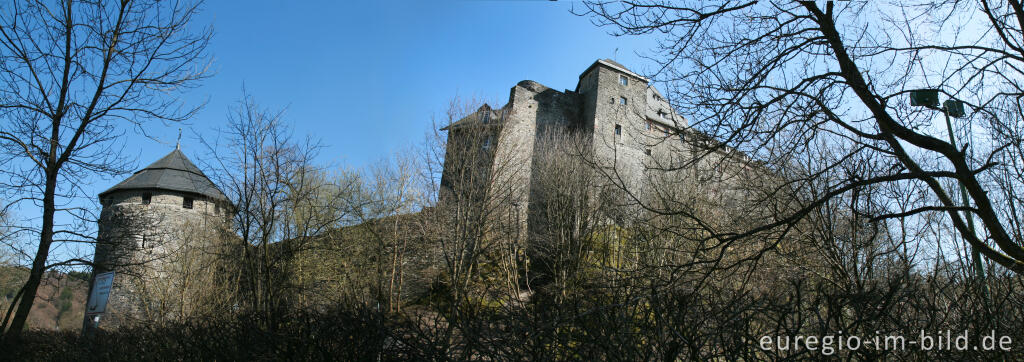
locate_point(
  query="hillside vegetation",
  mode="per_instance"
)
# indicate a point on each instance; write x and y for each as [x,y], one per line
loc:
[59,304]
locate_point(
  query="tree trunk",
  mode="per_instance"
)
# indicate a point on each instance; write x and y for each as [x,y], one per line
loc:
[39,264]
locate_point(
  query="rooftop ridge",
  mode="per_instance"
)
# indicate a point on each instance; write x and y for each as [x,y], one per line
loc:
[173,172]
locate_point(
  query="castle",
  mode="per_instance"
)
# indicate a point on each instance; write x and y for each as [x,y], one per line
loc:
[616,116]
[625,117]
[156,226]
[154,229]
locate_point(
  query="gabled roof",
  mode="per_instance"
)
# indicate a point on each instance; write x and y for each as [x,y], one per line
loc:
[173,172]
[476,117]
[614,65]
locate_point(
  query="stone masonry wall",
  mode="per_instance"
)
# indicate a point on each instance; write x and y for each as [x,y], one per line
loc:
[143,243]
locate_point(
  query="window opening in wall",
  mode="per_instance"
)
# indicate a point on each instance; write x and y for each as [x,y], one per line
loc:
[648,151]
[487,143]
[147,198]
[618,130]
[623,100]
[647,125]
[623,80]
[487,117]
[666,131]
[186,203]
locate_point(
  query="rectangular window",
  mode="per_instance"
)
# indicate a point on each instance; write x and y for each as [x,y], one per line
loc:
[623,101]
[487,117]
[147,198]
[186,203]
[666,131]
[623,80]
[618,130]
[647,125]
[648,151]
[487,143]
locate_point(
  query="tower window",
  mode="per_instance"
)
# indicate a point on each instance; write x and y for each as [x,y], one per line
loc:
[648,151]
[487,143]
[623,80]
[618,130]
[623,100]
[487,117]
[186,203]
[147,198]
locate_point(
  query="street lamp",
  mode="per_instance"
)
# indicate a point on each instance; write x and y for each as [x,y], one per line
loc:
[929,98]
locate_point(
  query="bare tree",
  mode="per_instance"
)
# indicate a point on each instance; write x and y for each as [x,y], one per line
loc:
[570,219]
[75,76]
[283,202]
[385,211]
[784,80]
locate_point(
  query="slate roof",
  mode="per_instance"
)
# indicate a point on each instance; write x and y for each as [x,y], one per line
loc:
[614,65]
[173,172]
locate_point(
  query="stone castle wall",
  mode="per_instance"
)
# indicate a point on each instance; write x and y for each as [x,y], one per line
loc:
[632,133]
[145,245]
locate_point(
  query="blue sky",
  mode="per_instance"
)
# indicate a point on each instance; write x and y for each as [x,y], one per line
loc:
[366,76]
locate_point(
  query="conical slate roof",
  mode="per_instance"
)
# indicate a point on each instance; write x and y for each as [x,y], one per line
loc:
[173,172]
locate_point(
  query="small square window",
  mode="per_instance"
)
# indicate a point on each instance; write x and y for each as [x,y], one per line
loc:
[618,130]
[147,198]
[648,151]
[623,100]
[623,80]
[186,203]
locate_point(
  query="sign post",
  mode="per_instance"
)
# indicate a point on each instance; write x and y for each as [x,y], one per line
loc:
[97,303]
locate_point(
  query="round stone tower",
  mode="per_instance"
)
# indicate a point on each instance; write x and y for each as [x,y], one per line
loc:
[158,231]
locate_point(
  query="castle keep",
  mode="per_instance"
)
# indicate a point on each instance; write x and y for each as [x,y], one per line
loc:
[154,230]
[622,120]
